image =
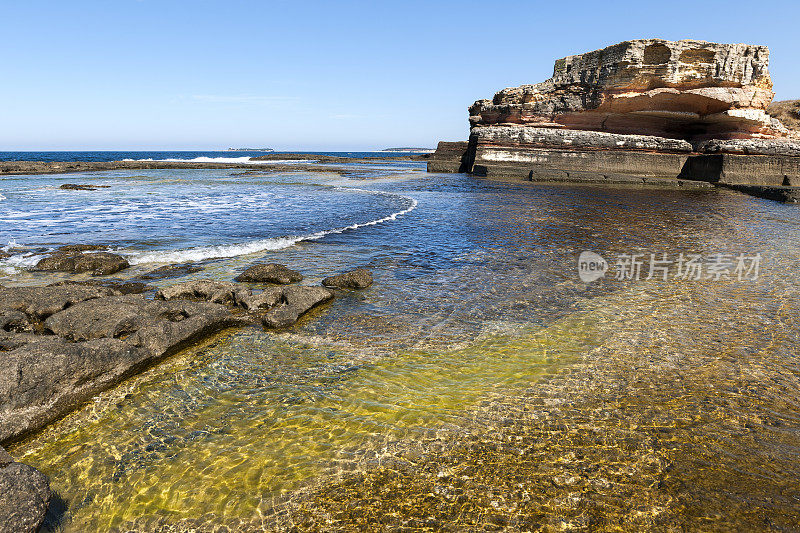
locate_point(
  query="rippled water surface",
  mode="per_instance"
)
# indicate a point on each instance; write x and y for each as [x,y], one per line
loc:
[477,384]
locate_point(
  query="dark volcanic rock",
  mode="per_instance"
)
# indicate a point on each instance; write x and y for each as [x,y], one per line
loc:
[98,263]
[97,341]
[24,496]
[270,273]
[360,278]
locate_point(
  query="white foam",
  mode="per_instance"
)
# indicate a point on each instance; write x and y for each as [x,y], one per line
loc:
[2,197]
[277,243]
[22,261]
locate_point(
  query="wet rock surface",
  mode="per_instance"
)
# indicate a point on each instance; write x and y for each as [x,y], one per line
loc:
[270,273]
[360,278]
[62,344]
[282,306]
[69,260]
[24,496]
[221,292]
[118,285]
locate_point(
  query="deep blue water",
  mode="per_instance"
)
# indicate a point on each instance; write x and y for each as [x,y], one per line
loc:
[156,155]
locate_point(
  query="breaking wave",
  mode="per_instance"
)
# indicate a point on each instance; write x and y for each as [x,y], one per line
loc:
[276,243]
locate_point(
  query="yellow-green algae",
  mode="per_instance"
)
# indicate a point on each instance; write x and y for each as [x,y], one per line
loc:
[232,456]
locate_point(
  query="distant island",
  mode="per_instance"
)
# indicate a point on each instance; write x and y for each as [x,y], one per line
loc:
[250,150]
[407,150]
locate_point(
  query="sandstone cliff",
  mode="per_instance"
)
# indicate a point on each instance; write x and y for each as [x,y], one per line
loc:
[788,112]
[687,89]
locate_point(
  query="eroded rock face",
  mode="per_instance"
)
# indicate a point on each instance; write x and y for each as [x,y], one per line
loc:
[24,496]
[685,89]
[750,147]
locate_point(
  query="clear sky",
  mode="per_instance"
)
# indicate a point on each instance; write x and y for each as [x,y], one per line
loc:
[338,75]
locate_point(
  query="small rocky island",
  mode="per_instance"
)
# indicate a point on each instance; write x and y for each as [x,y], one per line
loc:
[652,111]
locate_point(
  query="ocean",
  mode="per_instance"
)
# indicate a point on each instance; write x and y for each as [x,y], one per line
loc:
[479,383]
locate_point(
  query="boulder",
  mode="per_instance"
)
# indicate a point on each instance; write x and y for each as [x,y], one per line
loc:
[296,301]
[24,496]
[270,273]
[302,299]
[359,278]
[98,263]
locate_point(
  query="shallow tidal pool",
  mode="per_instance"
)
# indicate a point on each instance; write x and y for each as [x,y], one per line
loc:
[478,384]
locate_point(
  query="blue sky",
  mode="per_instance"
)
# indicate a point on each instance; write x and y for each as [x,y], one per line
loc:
[161,74]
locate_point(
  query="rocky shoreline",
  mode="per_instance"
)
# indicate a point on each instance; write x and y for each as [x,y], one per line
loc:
[68,341]
[315,163]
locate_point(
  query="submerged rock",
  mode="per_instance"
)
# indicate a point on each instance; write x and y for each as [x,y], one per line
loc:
[24,496]
[360,278]
[98,263]
[170,271]
[270,273]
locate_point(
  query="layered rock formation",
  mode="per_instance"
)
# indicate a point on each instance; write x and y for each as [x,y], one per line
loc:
[686,89]
[644,111]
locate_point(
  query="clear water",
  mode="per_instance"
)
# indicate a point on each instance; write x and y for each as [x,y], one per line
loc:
[477,384]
